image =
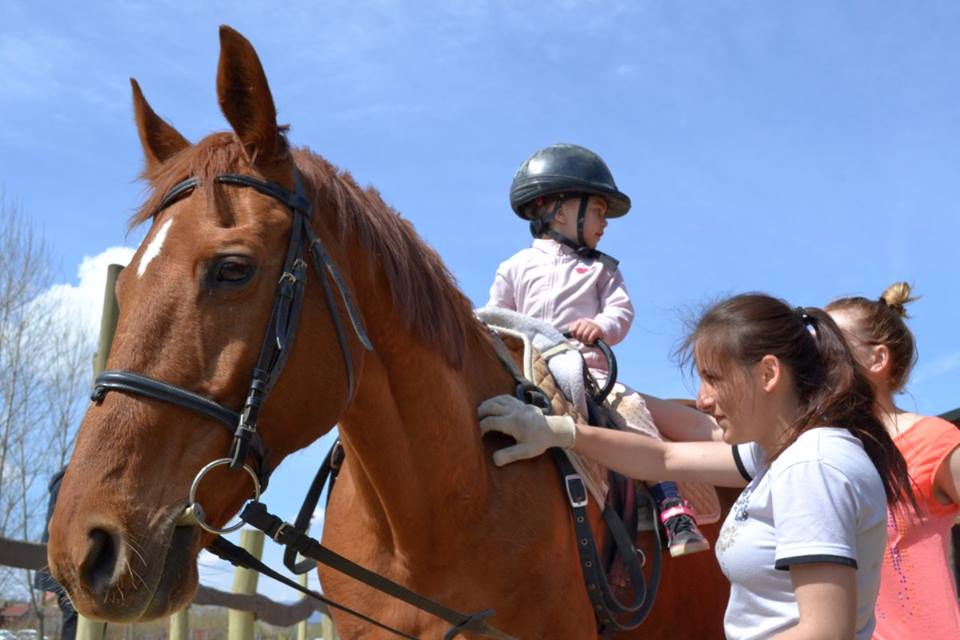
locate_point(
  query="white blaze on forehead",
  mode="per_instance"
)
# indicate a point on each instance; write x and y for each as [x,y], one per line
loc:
[153,249]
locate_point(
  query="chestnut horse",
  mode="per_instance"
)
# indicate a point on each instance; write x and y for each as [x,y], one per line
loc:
[418,499]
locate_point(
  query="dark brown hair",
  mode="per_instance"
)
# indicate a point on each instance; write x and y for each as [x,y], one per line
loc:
[882,322]
[830,386]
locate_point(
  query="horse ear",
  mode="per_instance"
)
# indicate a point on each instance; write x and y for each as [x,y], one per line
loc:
[159,139]
[245,98]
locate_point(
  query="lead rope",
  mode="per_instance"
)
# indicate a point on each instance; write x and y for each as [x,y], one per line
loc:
[240,557]
[256,515]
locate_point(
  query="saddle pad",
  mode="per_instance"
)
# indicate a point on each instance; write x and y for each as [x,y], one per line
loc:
[535,369]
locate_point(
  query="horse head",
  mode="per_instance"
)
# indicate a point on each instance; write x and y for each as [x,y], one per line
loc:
[197,302]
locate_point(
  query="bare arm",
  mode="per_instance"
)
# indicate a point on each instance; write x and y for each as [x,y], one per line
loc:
[827,600]
[681,423]
[644,458]
[629,453]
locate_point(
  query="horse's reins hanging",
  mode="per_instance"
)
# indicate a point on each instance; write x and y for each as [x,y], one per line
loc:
[281,330]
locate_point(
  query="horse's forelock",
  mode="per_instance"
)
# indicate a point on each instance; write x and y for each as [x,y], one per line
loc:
[423,290]
[216,154]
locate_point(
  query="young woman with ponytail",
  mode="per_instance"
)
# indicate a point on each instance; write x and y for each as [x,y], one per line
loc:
[803,544]
[918,597]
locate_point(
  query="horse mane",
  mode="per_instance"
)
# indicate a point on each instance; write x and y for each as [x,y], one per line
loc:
[423,291]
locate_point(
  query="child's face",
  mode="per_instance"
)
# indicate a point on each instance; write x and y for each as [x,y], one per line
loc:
[594,222]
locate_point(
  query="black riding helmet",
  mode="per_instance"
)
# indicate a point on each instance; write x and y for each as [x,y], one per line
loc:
[566,171]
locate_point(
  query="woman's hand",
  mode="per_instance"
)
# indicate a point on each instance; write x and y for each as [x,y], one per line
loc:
[533,431]
[586,331]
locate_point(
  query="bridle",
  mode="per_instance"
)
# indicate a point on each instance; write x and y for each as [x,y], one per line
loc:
[277,342]
[281,330]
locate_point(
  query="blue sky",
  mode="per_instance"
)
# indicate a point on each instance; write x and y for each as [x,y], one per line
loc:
[809,150]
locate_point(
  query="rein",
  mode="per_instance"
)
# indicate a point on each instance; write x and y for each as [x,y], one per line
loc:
[277,343]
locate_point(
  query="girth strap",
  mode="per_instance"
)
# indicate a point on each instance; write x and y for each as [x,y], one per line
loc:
[256,515]
[606,605]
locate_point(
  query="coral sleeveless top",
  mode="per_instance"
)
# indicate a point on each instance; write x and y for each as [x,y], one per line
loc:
[918,596]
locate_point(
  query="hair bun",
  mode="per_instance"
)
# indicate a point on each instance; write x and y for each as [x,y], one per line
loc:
[897,297]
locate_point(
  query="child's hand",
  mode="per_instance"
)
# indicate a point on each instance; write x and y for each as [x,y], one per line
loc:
[586,331]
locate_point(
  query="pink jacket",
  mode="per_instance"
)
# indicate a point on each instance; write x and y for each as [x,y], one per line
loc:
[549,282]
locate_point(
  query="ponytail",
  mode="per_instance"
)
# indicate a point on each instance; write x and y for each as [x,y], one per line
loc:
[829,384]
[844,398]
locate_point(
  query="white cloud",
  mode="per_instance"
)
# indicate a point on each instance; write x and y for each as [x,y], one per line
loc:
[82,304]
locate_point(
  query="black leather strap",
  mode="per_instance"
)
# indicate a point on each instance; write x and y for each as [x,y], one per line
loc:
[296,201]
[256,515]
[606,605]
[178,191]
[136,384]
[280,332]
[240,557]
[328,471]
[611,359]
[129,382]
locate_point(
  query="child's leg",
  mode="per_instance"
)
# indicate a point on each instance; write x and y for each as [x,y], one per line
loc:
[633,409]
[678,518]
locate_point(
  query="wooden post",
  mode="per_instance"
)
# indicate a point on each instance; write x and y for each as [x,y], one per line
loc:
[108,321]
[302,627]
[327,630]
[180,624]
[90,629]
[240,625]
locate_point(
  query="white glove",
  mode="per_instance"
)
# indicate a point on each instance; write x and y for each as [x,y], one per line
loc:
[533,431]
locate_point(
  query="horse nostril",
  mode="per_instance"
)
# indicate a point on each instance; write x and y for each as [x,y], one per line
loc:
[101,561]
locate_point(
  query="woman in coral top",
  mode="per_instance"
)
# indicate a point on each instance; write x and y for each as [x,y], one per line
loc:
[918,596]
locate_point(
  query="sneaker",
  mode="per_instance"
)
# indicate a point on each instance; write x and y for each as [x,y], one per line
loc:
[683,536]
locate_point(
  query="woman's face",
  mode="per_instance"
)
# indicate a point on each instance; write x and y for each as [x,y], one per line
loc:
[727,393]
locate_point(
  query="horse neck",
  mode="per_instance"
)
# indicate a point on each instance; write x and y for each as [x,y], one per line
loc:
[411,434]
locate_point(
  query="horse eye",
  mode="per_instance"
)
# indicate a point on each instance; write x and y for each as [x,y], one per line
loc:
[232,270]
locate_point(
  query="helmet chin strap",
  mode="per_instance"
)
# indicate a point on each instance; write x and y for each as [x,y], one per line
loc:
[581,248]
[581,216]
[539,226]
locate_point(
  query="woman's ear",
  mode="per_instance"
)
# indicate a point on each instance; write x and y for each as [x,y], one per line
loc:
[770,372]
[879,359]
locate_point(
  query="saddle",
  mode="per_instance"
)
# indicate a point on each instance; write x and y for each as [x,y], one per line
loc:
[535,365]
[629,499]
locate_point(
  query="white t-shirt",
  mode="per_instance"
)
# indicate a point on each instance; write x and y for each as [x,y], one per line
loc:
[821,500]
